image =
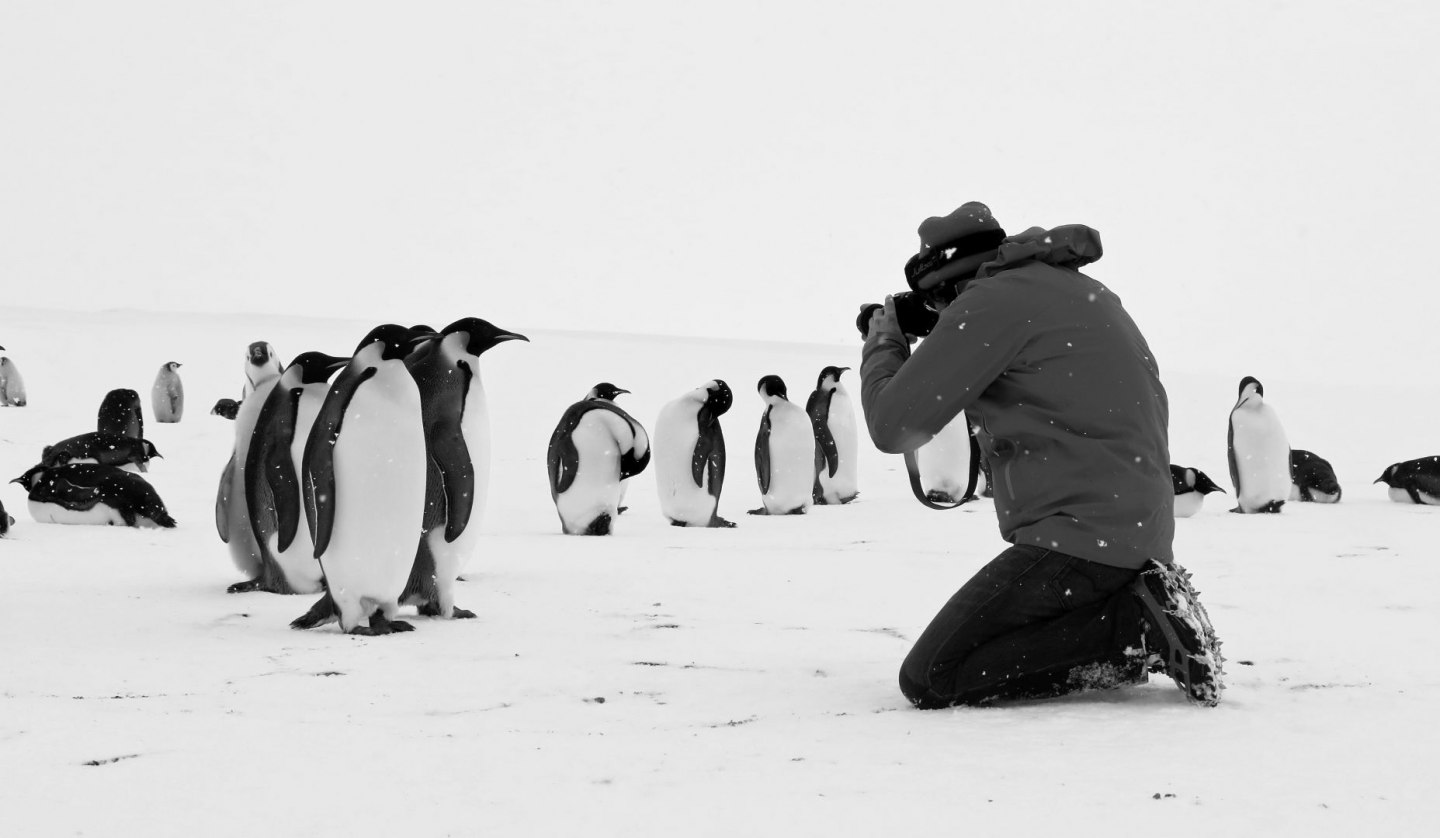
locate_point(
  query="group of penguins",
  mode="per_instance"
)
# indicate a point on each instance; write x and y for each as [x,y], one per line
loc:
[1266,472]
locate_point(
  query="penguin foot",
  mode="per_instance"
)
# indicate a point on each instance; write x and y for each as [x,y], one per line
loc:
[852,497]
[721,523]
[379,625]
[322,612]
[599,526]
[458,613]
[621,510]
[675,523]
[939,496]
[799,510]
[761,511]
[256,584]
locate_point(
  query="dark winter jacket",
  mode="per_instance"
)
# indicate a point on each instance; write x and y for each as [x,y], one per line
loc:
[1073,418]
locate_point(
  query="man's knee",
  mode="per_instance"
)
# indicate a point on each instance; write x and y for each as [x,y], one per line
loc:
[920,695]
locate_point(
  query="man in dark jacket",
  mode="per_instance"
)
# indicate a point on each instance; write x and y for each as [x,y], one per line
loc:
[1073,422]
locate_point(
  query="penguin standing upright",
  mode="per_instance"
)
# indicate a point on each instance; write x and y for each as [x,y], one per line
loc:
[1413,481]
[90,493]
[12,385]
[270,476]
[1191,486]
[832,414]
[594,448]
[1259,452]
[784,453]
[261,365]
[127,452]
[363,482]
[456,415]
[1312,478]
[250,554]
[120,414]
[167,394]
[689,457]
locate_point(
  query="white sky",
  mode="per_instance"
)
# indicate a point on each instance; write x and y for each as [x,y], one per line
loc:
[1263,174]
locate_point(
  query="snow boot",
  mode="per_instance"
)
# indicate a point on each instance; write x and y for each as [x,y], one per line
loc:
[1179,638]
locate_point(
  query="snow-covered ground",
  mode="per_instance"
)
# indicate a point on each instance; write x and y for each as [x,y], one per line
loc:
[668,681]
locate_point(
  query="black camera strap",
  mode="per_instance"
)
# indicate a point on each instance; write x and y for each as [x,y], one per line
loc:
[912,465]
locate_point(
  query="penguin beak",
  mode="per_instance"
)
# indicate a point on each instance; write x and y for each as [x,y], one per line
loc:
[619,390]
[513,336]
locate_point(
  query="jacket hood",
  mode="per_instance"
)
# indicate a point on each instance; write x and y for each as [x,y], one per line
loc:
[1068,246]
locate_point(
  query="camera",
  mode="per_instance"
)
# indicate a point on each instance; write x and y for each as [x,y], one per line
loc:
[912,314]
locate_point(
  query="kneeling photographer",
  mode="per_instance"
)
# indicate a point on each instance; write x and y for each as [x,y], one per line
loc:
[1073,421]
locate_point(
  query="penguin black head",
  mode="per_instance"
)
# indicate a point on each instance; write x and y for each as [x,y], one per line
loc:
[32,476]
[480,335]
[1204,485]
[316,367]
[720,398]
[259,352]
[605,390]
[227,408]
[772,385]
[398,341]
[1387,475]
[149,450]
[1250,379]
[829,373]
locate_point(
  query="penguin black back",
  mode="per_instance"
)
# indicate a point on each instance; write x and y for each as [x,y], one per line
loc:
[120,414]
[1313,477]
[709,456]
[80,487]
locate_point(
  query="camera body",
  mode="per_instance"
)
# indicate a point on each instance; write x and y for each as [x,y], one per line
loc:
[911,313]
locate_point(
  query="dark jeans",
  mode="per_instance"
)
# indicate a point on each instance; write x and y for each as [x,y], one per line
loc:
[1033,623]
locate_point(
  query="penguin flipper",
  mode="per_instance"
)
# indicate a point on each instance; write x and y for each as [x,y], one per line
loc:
[222,500]
[272,489]
[762,453]
[318,462]
[818,406]
[451,456]
[1230,456]
[704,445]
[632,464]
[562,459]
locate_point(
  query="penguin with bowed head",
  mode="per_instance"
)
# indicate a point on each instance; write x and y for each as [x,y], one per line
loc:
[689,456]
[363,477]
[126,452]
[167,394]
[1413,481]
[270,476]
[1259,452]
[1191,486]
[225,409]
[784,452]
[261,365]
[120,414]
[594,448]
[12,385]
[832,414]
[94,494]
[1312,478]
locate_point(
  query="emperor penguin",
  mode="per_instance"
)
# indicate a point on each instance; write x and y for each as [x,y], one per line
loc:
[90,493]
[456,417]
[1312,478]
[784,453]
[6,522]
[1259,452]
[251,556]
[832,414]
[689,457]
[12,385]
[120,414]
[1191,486]
[225,408]
[944,463]
[1413,481]
[167,394]
[127,452]
[261,365]
[270,474]
[363,477]
[594,448]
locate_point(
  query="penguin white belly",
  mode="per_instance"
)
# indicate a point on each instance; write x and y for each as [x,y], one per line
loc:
[944,461]
[792,461]
[1262,457]
[244,549]
[98,515]
[595,491]
[379,499]
[1402,496]
[844,484]
[1188,504]
[673,451]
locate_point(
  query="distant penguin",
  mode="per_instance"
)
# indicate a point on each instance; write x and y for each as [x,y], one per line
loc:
[270,477]
[1414,481]
[944,461]
[1259,452]
[88,493]
[167,395]
[261,365]
[225,408]
[106,449]
[1191,487]
[784,453]
[689,457]
[832,415]
[1312,479]
[363,478]
[12,386]
[6,522]
[595,447]
[120,414]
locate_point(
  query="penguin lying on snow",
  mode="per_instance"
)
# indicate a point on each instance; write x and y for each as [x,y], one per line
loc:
[1259,452]
[784,453]
[89,493]
[1312,479]
[690,456]
[105,449]
[594,448]
[833,416]
[225,408]
[1414,481]
[1191,487]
